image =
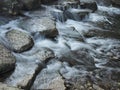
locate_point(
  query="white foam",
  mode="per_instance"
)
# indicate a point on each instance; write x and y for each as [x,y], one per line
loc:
[110,10]
[97,18]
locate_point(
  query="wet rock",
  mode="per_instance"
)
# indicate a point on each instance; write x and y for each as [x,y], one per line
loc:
[28,66]
[80,82]
[102,33]
[7,60]
[88,4]
[49,80]
[6,87]
[24,75]
[19,41]
[45,26]
[25,83]
[77,14]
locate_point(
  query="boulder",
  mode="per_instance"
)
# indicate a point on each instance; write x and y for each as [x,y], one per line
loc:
[6,87]
[49,80]
[26,82]
[14,7]
[88,4]
[7,60]
[19,41]
[45,26]
[29,64]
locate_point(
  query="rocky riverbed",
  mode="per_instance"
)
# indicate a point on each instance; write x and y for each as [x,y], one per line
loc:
[60,45]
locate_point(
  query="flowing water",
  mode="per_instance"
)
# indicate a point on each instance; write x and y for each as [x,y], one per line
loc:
[102,49]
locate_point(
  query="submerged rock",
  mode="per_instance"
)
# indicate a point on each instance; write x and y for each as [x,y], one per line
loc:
[80,58]
[45,26]
[7,60]
[42,54]
[70,33]
[19,41]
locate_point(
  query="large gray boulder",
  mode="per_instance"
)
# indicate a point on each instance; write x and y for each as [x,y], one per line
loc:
[7,60]
[30,64]
[19,41]
[44,26]
[49,79]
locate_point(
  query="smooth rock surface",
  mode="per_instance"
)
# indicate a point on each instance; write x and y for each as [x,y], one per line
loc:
[29,64]
[49,80]
[19,41]
[45,26]
[6,87]
[7,60]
